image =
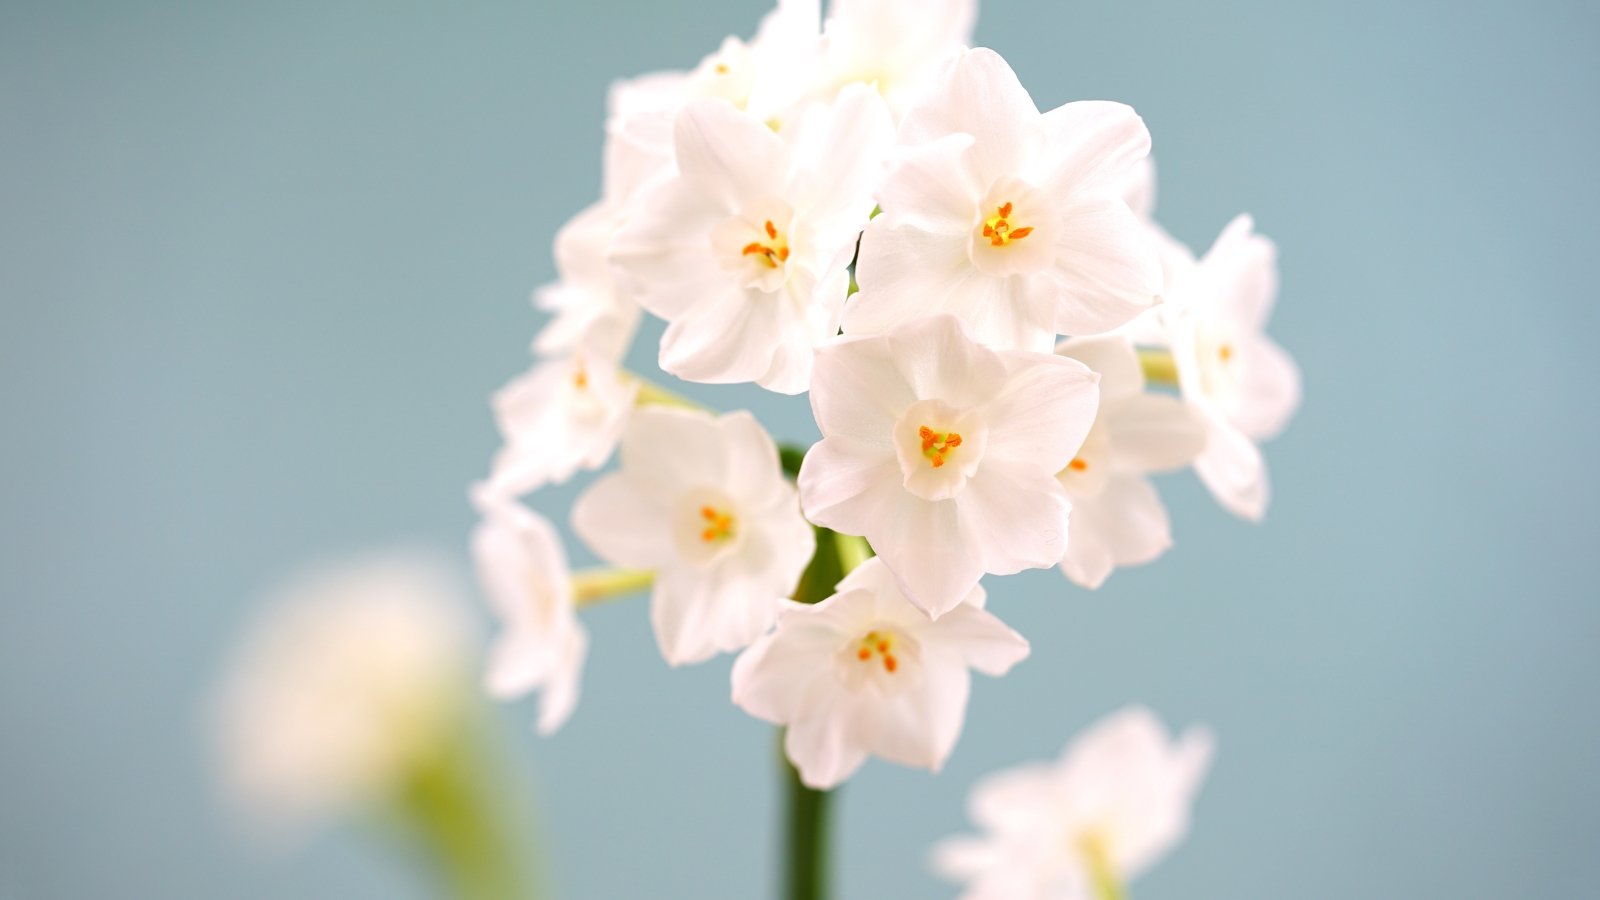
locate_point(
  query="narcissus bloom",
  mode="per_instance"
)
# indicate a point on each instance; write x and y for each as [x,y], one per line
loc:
[1117,516]
[523,570]
[944,454]
[351,679]
[559,417]
[865,672]
[896,46]
[1115,802]
[702,502]
[745,252]
[1012,220]
[1242,381]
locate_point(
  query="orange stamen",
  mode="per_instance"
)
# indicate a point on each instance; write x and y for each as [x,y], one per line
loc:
[935,444]
[1225,352]
[1077,465]
[998,230]
[889,664]
[719,525]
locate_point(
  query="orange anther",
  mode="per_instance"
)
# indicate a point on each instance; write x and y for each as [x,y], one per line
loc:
[863,654]
[1077,465]
[1005,210]
[772,232]
[889,664]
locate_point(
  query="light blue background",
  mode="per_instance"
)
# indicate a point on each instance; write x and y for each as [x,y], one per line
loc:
[261,264]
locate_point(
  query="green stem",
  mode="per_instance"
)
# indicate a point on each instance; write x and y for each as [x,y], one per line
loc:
[454,802]
[806,875]
[652,394]
[592,586]
[1106,884]
[1159,366]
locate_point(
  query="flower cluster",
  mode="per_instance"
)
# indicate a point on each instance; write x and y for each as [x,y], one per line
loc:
[998,341]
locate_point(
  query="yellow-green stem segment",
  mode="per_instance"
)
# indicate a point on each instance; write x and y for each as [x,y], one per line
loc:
[652,394]
[1159,367]
[592,586]
[1107,886]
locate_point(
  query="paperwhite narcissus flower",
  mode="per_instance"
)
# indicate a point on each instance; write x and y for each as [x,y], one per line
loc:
[559,417]
[745,252]
[944,454]
[864,672]
[1012,220]
[1117,516]
[350,678]
[896,46]
[1243,382]
[1115,802]
[523,570]
[702,502]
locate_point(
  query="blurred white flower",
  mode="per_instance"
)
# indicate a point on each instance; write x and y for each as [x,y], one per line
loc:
[745,252]
[702,502]
[1242,381]
[896,46]
[1012,220]
[1116,801]
[1117,516]
[944,454]
[590,315]
[523,570]
[561,416]
[350,679]
[864,672]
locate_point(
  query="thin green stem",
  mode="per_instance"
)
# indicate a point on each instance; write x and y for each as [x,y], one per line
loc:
[1159,366]
[592,586]
[806,876]
[652,394]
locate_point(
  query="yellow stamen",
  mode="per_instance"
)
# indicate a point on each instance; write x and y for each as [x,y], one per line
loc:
[936,445]
[877,643]
[719,524]
[999,230]
[773,254]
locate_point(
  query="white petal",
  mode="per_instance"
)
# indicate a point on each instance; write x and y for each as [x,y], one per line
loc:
[1232,468]
[623,526]
[823,749]
[979,639]
[1240,275]
[560,695]
[1155,432]
[847,485]
[838,166]
[1268,391]
[771,677]
[667,450]
[727,337]
[1044,412]
[1014,516]
[1124,525]
[753,473]
[699,612]
[726,153]
[1113,358]
[920,725]
[904,273]
[933,187]
[926,547]
[940,361]
[981,97]
[663,250]
[1093,144]
[1107,269]
[857,390]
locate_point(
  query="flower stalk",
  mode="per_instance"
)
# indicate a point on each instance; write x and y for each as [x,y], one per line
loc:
[594,586]
[1159,366]
[653,394]
[1101,873]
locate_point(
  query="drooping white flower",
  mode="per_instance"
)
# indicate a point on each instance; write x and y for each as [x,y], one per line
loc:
[944,454]
[1117,516]
[350,678]
[542,645]
[745,252]
[1012,220]
[1116,801]
[865,672]
[896,46]
[1242,381]
[702,502]
[561,416]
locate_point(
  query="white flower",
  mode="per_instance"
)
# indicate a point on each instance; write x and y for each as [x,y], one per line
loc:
[944,454]
[1115,802]
[559,417]
[350,679]
[864,672]
[1010,219]
[1243,382]
[745,253]
[523,570]
[1117,516]
[704,503]
[897,46]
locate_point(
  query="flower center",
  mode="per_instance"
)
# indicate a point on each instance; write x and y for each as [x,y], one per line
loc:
[999,229]
[772,252]
[879,645]
[718,525]
[937,444]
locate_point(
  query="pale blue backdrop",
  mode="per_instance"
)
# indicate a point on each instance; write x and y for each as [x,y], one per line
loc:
[260,265]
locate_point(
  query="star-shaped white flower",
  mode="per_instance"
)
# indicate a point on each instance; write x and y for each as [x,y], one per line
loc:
[896,46]
[1116,801]
[865,672]
[523,570]
[944,454]
[1012,220]
[561,416]
[1241,380]
[1117,516]
[702,502]
[746,251]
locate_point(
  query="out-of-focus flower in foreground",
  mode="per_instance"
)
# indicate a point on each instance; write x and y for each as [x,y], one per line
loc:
[864,672]
[1082,827]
